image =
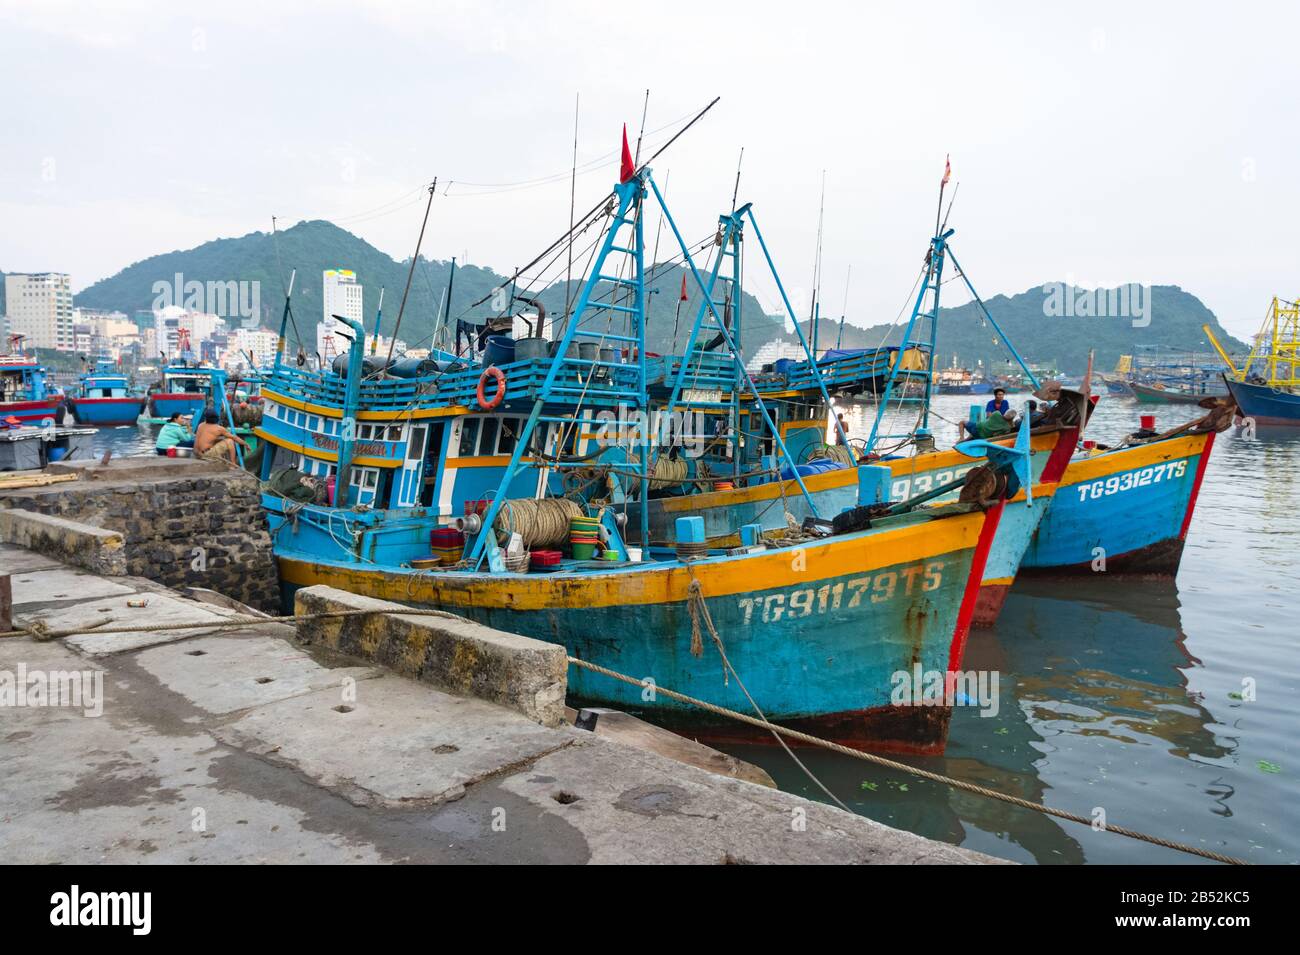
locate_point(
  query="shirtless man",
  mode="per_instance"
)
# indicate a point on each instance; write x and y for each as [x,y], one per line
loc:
[212,442]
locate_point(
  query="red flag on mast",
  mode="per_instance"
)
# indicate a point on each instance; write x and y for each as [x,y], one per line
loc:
[685,297]
[947,169]
[628,170]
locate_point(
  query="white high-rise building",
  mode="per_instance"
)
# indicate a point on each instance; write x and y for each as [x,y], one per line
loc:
[342,297]
[39,306]
[168,322]
[260,343]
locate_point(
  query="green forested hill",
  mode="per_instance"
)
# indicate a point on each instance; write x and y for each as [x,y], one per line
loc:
[1175,323]
[312,247]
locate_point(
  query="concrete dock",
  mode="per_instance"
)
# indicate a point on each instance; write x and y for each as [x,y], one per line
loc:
[344,741]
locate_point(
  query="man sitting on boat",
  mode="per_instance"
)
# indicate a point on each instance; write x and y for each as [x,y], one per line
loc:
[999,403]
[174,434]
[212,442]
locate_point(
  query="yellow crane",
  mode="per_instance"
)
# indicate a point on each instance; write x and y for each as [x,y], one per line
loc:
[1281,332]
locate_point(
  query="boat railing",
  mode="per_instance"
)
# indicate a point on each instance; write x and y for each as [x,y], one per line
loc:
[611,383]
[848,370]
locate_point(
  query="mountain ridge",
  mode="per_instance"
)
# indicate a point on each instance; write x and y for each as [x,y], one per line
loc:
[1175,316]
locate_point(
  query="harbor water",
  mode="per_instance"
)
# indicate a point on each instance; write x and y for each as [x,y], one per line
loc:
[1169,707]
[1125,696]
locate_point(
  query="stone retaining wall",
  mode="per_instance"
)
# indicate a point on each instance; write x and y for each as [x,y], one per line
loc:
[204,529]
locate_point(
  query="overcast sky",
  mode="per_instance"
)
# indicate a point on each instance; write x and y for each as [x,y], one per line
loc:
[1100,143]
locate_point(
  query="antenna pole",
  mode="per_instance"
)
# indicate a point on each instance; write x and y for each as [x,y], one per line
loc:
[736,191]
[433,187]
[839,342]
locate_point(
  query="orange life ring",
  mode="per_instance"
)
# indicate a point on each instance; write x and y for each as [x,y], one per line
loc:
[499,376]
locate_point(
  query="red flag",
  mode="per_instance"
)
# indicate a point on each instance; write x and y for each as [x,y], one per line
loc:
[947,169]
[628,170]
[685,297]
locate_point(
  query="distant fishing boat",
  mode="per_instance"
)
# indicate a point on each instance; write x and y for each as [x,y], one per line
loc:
[1163,394]
[25,393]
[1266,387]
[1117,386]
[955,381]
[186,389]
[103,396]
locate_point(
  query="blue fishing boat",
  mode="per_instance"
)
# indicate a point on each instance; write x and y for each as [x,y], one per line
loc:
[367,472]
[187,389]
[1266,387]
[1126,510]
[25,394]
[103,396]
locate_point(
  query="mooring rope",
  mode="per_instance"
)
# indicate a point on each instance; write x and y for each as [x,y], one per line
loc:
[904,767]
[39,632]
[700,613]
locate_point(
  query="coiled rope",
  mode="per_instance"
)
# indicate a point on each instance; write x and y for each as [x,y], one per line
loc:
[541,522]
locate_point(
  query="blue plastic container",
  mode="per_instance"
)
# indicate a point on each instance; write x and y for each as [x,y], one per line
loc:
[500,350]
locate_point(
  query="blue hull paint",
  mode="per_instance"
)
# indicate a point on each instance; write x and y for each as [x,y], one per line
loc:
[1265,405]
[166,406]
[107,412]
[796,665]
[1020,521]
[1133,517]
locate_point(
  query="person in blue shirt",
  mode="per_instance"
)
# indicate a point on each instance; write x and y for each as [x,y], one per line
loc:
[174,434]
[999,403]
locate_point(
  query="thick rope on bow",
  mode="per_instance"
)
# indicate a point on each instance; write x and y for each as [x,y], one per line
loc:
[700,613]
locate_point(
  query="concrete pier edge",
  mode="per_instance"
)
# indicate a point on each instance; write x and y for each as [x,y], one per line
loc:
[450,653]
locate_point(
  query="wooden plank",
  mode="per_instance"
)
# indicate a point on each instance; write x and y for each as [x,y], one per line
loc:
[10,482]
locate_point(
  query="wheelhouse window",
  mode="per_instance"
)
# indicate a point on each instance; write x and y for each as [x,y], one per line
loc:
[468,437]
[415,449]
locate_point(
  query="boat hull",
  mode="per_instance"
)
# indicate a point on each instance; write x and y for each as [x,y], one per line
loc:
[164,406]
[833,491]
[1020,521]
[31,412]
[1166,396]
[107,412]
[1123,512]
[819,640]
[1265,405]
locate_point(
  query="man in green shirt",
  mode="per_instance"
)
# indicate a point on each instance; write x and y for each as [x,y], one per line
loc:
[174,434]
